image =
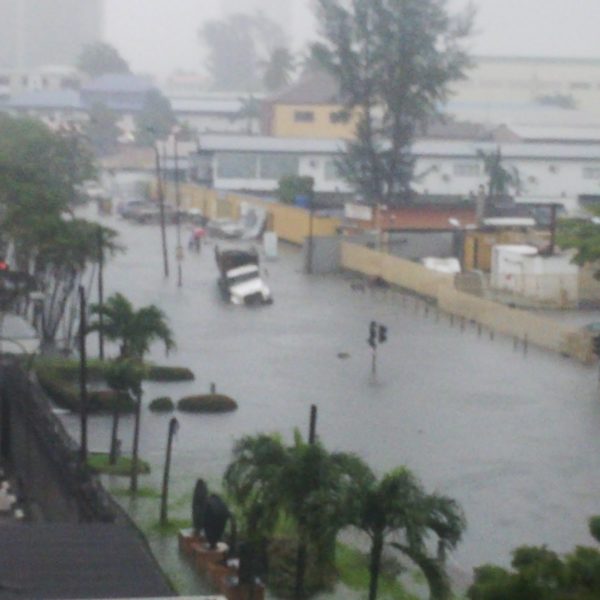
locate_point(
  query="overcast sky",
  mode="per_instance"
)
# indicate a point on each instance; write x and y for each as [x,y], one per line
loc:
[160,36]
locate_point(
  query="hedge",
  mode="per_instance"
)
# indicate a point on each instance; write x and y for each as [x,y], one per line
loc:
[167,374]
[162,404]
[207,403]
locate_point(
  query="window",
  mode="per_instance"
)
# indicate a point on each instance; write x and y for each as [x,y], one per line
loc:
[236,165]
[339,116]
[591,172]
[304,116]
[467,170]
[332,171]
[276,166]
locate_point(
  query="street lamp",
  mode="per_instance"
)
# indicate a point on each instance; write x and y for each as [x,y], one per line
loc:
[179,250]
[161,203]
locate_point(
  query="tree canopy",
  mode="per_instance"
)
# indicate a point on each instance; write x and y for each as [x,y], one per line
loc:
[101,129]
[39,170]
[584,237]
[394,61]
[236,47]
[156,119]
[502,179]
[539,573]
[101,58]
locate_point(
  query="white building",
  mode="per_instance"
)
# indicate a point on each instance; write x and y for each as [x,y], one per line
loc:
[550,172]
[523,271]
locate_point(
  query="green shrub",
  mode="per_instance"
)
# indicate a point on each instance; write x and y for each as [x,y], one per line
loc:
[158,373]
[65,394]
[207,403]
[162,404]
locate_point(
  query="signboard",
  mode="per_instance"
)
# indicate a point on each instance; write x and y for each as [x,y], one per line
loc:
[358,212]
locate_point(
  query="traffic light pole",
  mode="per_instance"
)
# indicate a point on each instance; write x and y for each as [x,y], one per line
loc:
[374,361]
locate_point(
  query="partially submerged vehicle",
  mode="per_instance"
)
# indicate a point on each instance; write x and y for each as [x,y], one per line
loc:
[240,280]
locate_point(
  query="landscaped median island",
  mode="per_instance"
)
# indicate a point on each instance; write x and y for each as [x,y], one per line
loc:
[59,379]
[207,403]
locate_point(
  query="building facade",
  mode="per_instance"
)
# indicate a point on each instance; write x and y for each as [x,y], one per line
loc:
[34,33]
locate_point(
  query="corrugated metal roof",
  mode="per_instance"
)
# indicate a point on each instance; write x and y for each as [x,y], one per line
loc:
[59,99]
[119,83]
[424,148]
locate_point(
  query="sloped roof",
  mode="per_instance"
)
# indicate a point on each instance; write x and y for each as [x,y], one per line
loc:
[65,560]
[119,83]
[59,99]
[312,88]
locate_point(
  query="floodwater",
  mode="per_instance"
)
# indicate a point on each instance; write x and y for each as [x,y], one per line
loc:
[513,437]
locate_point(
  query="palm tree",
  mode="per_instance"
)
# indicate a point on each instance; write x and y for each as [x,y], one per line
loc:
[304,482]
[134,329]
[278,69]
[501,180]
[397,505]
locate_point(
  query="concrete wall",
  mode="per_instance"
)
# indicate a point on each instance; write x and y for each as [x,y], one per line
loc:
[284,123]
[542,332]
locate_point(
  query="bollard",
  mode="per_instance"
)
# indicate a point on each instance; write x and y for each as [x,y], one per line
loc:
[492,335]
[462,324]
[427,310]
[525,345]
[451,320]
[515,342]
[213,388]
[416,305]
[478,329]
[437,315]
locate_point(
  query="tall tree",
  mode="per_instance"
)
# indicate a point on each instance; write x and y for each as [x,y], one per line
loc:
[278,69]
[39,170]
[236,46]
[101,58]
[156,119]
[394,61]
[134,330]
[502,180]
[102,130]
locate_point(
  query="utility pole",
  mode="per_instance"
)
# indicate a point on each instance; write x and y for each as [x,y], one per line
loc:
[179,250]
[101,291]
[83,376]
[173,427]
[161,204]
[133,487]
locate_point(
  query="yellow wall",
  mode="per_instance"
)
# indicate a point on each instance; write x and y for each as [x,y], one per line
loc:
[285,125]
[292,224]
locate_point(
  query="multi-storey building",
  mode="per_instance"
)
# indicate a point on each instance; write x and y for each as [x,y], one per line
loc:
[45,32]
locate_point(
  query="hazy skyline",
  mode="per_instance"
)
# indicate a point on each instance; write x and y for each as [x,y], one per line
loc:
[161,36]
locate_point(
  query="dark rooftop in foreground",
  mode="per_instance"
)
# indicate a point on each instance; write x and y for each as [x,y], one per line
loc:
[69,561]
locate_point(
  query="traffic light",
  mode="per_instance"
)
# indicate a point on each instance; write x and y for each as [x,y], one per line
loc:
[372,341]
[382,334]
[596,344]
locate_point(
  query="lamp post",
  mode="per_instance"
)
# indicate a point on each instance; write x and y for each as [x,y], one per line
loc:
[101,292]
[173,427]
[161,202]
[179,250]
[83,376]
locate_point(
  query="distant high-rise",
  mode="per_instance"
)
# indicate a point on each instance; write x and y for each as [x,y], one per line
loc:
[280,11]
[34,33]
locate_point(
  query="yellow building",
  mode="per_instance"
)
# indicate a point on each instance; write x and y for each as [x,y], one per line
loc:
[310,108]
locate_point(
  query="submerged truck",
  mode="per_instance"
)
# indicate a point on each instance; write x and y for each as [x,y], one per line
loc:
[240,281]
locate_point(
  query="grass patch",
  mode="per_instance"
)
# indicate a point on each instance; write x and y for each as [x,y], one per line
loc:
[100,462]
[171,528]
[353,571]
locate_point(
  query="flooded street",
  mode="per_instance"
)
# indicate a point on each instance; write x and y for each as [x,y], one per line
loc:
[513,438]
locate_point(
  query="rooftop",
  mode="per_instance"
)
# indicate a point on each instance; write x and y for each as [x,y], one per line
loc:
[312,88]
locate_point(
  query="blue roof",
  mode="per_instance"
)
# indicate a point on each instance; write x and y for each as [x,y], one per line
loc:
[47,99]
[115,83]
